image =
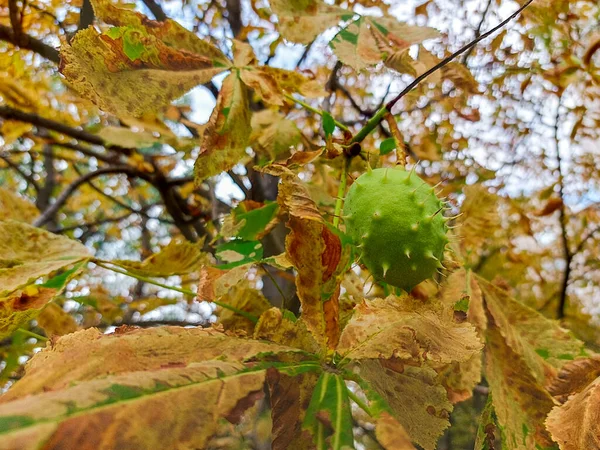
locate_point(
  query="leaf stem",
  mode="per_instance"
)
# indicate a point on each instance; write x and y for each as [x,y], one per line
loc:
[362,405]
[306,106]
[245,314]
[370,125]
[270,275]
[339,201]
[32,334]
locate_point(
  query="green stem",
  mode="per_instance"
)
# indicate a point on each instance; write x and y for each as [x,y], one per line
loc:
[370,125]
[362,405]
[306,106]
[248,316]
[32,334]
[270,275]
[339,201]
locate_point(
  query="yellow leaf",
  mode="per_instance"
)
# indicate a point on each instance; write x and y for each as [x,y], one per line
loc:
[273,327]
[28,253]
[138,66]
[521,404]
[391,434]
[130,350]
[303,22]
[227,135]
[416,398]
[177,258]
[244,298]
[576,424]
[542,343]
[408,329]
[15,207]
[56,321]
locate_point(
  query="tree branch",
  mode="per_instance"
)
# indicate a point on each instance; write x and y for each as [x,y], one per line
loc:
[562,299]
[64,196]
[14,114]
[28,178]
[156,10]
[29,43]
[457,53]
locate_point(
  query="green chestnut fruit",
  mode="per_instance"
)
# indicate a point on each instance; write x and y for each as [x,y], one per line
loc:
[396,220]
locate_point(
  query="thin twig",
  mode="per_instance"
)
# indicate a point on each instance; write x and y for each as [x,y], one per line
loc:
[457,53]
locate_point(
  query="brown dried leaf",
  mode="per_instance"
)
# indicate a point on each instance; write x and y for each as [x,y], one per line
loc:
[576,424]
[227,135]
[407,329]
[215,283]
[290,397]
[574,376]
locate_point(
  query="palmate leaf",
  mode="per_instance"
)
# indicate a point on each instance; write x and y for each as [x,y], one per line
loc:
[177,258]
[329,416]
[169,386]
[520,403]
[28,253]
[406,328]
[168,407]
[227,135]
[139,65]
[130,350]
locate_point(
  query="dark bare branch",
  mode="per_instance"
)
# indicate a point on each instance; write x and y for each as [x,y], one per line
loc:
[454,55]
[70,190]
[29,43]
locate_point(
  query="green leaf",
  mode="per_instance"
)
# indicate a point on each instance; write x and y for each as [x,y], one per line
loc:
[239,252]
[488,431]
[255,221]
[328,124]
[329,416]
[387,146]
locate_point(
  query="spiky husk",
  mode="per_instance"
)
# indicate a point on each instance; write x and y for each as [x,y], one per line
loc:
[396,220]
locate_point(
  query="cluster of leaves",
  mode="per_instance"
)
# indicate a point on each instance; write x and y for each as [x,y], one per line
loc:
[357,357]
